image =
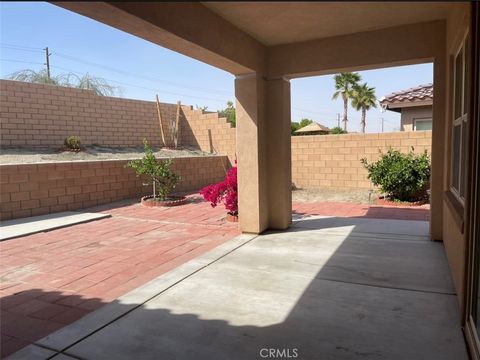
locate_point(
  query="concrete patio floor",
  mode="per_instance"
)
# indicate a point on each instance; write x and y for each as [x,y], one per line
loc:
[329,288]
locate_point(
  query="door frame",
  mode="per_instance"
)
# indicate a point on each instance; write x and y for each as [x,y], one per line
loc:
[473,191]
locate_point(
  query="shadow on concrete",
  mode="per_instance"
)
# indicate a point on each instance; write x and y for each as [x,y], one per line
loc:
[32,314]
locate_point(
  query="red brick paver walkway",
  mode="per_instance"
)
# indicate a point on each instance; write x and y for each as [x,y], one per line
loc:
[49,280]
[327,208]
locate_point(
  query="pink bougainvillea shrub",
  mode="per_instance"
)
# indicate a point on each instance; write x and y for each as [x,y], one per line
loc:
[224,192]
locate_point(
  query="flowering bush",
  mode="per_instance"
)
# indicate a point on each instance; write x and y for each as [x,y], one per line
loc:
[225,191]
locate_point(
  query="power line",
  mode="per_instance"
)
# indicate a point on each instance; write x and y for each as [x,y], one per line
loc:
[109,68]
[20,61]
[145,88]
[20,49]
[314,112]
[223,101]
[21,46]
[145,77]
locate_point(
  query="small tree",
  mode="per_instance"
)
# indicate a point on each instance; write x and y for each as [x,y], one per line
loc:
[337,130]
[203,108]
[229,113]
[87,82]
[298,125]
[96,84]
[294,126]
[162,178]
[402,176]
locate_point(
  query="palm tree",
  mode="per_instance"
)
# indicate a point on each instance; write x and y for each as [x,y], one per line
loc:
[363,99]
[344,86]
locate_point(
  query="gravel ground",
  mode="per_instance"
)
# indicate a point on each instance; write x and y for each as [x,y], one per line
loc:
[353,196]
[32,155]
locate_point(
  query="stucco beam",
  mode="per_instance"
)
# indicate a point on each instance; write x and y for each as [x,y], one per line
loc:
[188,28]
[395,46]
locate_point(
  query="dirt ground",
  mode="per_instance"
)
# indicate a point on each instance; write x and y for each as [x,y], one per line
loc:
[353,196]
[36,155]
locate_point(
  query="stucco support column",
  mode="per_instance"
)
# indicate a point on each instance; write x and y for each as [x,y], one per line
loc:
[263,153]
[251,153]
[279,154]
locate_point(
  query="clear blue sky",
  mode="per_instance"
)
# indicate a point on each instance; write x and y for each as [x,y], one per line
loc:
[142,69]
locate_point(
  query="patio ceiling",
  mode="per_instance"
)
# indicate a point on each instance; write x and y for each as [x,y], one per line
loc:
[264,45]
[241,37]
[275,23]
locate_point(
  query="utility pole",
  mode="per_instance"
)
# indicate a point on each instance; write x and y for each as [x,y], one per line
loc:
[47,58]
[338,119]
[382,124]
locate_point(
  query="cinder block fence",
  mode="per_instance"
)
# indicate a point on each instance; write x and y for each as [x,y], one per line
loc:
[333,161]
[43,115]
[37,189]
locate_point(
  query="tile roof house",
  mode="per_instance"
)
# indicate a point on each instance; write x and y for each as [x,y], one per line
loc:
[415,106]
[313,129]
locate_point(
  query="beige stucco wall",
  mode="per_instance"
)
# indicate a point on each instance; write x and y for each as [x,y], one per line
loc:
[453,238]
[409,114]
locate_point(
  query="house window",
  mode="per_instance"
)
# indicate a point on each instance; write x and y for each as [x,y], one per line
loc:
[422,124]
[459,130]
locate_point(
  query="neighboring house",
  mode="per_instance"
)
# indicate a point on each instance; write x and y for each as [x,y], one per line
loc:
[313,129]
[415,106]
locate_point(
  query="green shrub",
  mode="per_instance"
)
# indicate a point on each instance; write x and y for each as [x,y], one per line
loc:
[72,142]
[162,178]
[337,131]
[402,176]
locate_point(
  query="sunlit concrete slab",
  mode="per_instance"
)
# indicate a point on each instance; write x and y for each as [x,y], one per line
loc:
[26,226]
[363,225]
[369,259]
[323,294]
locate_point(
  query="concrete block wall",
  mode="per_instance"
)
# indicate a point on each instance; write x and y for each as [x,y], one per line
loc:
[37,114]
[333,161]
[44,115]
[43,188]
[209,132]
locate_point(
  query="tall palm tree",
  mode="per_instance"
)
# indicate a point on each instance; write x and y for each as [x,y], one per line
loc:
[344,86]
[363,99]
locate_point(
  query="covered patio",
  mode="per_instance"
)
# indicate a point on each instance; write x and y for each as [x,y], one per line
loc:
[330,287]
[251,41]
[52,279]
